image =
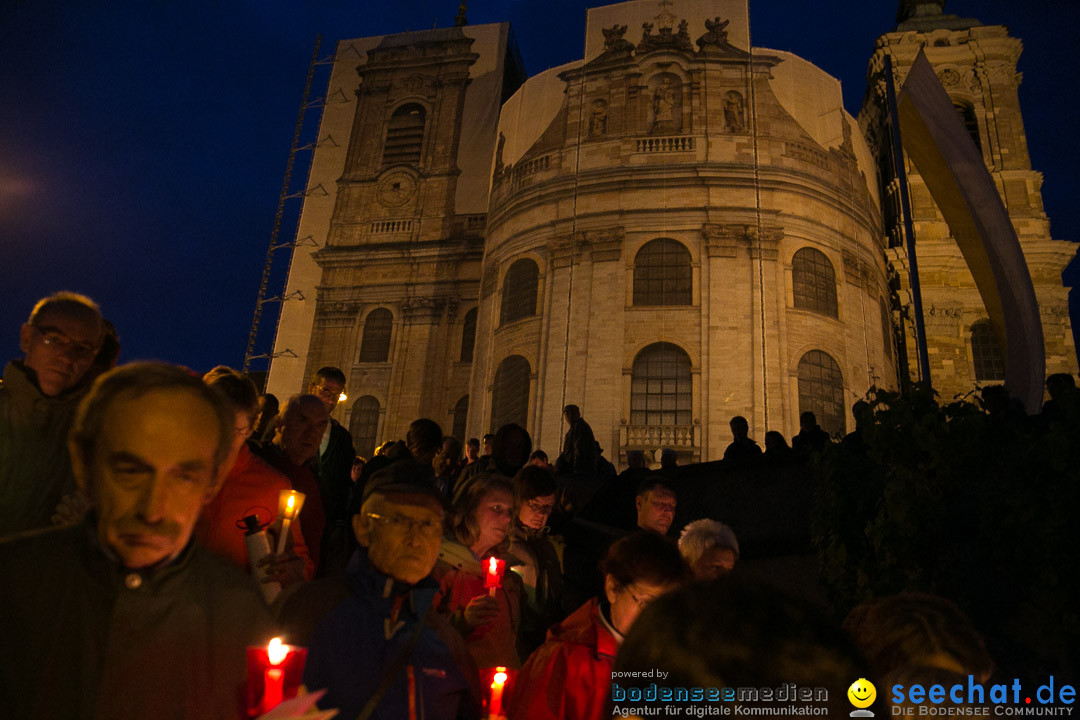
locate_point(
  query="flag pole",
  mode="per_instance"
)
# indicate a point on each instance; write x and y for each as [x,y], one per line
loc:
[909,225]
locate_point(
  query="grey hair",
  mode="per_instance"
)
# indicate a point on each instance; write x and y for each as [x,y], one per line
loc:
[703,535]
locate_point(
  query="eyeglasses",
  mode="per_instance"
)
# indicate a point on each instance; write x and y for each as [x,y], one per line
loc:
[55,339]
[540,509]
[399,523]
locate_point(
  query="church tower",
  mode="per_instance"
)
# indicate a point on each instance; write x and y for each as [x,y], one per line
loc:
[398,263]
[977,65]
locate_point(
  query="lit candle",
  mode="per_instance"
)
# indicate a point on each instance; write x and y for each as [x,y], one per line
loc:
[274,677]
[498,681]
[274,674]
[289,504]
[494,577]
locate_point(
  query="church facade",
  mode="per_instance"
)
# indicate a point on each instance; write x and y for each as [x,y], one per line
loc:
[676,229]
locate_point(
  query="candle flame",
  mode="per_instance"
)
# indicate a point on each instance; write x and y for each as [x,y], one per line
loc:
[493,566]
[500,676]
[276,651]
[290,503]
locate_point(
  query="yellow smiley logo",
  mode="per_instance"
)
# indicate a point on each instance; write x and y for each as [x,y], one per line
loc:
[862,693]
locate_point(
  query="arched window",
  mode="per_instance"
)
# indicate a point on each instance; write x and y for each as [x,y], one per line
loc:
[814,282]
[986,353]
[886,328]
[404,135]
[461,413]
[519,291]
[971,123]
[821,390]
[375,345]
[510,396]
[662,274]
[364,425]
[661,387]
[468,337]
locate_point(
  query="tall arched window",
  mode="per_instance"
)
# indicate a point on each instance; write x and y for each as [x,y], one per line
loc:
[468,337]
[519,291]
[821,390]
[510,396]
[461,413]
[886,328]
[661,388]
[986,353]
[662,274]
[364,425]
[404,135]
[375,345]
[814,282]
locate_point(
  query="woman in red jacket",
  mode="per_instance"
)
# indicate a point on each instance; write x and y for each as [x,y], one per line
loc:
[569,677]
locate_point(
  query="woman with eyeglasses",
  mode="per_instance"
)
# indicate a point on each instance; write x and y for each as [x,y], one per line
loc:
[540,569]
[569,677]
[478,529]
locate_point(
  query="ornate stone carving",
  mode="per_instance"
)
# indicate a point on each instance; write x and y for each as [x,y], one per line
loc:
[665,39]
[716,32]
[337,309]
[949,77]
[614,41]
[423,309]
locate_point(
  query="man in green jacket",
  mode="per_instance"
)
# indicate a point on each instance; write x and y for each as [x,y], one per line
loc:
[38,397]
[124,616]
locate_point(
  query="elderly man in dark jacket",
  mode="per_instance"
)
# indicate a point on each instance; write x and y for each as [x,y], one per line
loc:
[372,637]
[124,616]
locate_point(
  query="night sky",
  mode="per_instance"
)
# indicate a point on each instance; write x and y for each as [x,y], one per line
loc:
[143,144]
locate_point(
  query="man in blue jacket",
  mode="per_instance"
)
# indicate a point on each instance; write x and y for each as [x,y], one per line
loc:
[370,636]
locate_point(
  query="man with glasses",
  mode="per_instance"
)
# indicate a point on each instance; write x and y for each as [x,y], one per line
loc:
[38,398]
[371,635]
[540,569]
[333,466]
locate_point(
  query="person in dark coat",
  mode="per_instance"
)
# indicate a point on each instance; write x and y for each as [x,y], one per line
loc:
[125,615]
[333,463]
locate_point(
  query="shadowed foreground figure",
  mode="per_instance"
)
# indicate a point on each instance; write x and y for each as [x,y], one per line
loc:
[732,634]
[124,616]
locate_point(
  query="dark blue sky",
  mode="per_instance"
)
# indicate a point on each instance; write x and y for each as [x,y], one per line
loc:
[143,144]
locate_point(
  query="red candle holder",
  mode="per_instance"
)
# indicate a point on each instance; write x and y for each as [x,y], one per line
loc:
[269,683]
[493,575]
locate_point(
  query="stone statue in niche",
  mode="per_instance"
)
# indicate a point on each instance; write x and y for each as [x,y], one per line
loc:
[665,106]
[733,113]
[598,119]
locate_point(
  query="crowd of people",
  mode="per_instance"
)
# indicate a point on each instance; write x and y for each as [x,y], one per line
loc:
[128,493]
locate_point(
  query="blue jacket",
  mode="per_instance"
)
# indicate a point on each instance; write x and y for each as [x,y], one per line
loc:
[346,624]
